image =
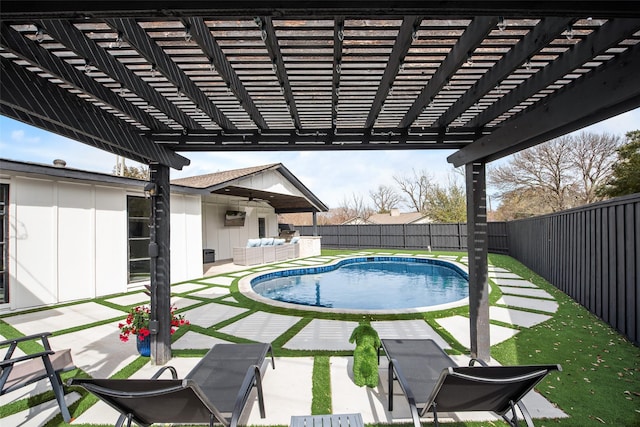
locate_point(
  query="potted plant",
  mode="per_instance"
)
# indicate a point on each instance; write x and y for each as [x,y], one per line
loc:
[137,323]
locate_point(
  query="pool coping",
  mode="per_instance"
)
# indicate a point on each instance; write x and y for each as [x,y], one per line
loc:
[244,287]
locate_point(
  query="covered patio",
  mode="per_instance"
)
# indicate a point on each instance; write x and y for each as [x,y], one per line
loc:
[155,83]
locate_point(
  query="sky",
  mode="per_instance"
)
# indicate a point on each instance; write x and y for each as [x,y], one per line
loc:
[333,176]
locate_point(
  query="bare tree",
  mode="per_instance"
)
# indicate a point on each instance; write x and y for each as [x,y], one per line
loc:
[415,188]
[141,172]
[594,158]
[385,198]
[353,207]
[546,167]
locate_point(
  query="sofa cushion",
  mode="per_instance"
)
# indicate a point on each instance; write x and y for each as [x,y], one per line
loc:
[278,242]
[295,239]
[266,241]
[253,243]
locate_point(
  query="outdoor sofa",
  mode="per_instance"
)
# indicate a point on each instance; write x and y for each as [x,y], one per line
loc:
[266,250]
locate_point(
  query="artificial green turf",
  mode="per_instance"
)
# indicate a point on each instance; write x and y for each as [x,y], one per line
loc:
[599,384]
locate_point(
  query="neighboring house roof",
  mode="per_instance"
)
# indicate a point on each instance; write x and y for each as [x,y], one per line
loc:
[393,217]
[398,218]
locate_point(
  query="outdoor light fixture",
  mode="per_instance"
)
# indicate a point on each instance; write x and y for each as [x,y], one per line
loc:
[39,34]
[150,190]
[187,34]
[118,41]
[569,32]
[469,60]
[341,32]
[502,24]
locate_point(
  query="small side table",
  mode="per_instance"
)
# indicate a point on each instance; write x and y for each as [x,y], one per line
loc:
[332,420]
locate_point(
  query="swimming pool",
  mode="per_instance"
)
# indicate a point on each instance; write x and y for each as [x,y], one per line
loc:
[365,284]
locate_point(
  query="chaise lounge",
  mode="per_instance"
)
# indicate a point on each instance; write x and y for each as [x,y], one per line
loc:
[216,390]
[19,371]
[431,381]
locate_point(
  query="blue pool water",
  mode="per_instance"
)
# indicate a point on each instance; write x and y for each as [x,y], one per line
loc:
[374,283]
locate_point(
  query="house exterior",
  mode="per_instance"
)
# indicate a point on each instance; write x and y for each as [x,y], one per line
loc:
[392,217]
[69,234]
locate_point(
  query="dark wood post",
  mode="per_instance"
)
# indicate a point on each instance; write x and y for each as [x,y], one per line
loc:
[160,266]
[477,244]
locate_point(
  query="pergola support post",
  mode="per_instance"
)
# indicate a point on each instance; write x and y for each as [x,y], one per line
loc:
[315,223]
[478,264]
[160,265]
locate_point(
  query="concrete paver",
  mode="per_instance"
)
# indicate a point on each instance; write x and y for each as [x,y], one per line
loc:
[532,303]
[323,334]
[513,282]
[60,318]
[210,314]
[408,329]
[528,292]
[458,326]
[261,327]
[516,317]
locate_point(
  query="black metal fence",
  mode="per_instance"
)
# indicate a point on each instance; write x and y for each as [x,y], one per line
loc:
[440,237]
[592,254]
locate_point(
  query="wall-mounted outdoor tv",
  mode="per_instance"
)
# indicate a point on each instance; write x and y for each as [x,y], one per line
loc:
[234,218]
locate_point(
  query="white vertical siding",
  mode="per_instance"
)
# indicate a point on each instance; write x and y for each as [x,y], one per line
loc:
[186,237]
[76,241]
[34,281]
[110,240]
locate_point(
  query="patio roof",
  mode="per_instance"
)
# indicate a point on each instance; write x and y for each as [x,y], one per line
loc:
[487,78]
[229,183]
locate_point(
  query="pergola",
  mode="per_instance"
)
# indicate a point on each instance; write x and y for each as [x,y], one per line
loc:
[149,80]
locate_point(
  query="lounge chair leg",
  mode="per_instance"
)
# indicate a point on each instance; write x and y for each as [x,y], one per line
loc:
[390,386]
[435,415]
[56,385]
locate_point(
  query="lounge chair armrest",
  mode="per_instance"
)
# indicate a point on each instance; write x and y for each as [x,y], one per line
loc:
[174,373]
[11,361]
[480,361]
[407,392]
[25,338]
[251,378]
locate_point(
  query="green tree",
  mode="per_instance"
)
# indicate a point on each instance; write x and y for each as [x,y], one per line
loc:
[447,203]
[626,171]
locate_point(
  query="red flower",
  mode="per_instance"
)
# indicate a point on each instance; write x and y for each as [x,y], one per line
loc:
[137,323]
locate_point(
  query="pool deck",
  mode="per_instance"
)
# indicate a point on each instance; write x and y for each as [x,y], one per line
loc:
[207,303]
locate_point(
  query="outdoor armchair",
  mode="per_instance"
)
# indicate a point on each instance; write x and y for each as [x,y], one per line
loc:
[216,390]
[20,371]
[431,381]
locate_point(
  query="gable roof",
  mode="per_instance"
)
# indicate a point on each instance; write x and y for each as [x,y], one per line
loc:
[229,183]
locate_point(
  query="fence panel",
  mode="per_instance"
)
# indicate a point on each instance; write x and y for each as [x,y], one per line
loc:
[592,254]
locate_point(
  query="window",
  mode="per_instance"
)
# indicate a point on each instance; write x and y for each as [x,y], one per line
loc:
[4,243]
[138,212]
[262,227]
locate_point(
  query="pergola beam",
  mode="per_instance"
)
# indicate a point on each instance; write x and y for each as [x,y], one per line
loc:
[472,38]
[400,48]
[273,47]
[149,49]
[32,52]
[604,92]
[202,36]
[25,91]
[67,34]
[543,33]
[596,43]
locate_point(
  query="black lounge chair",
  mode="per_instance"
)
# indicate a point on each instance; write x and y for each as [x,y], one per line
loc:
[20,371]
[216,389]
[431,381]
